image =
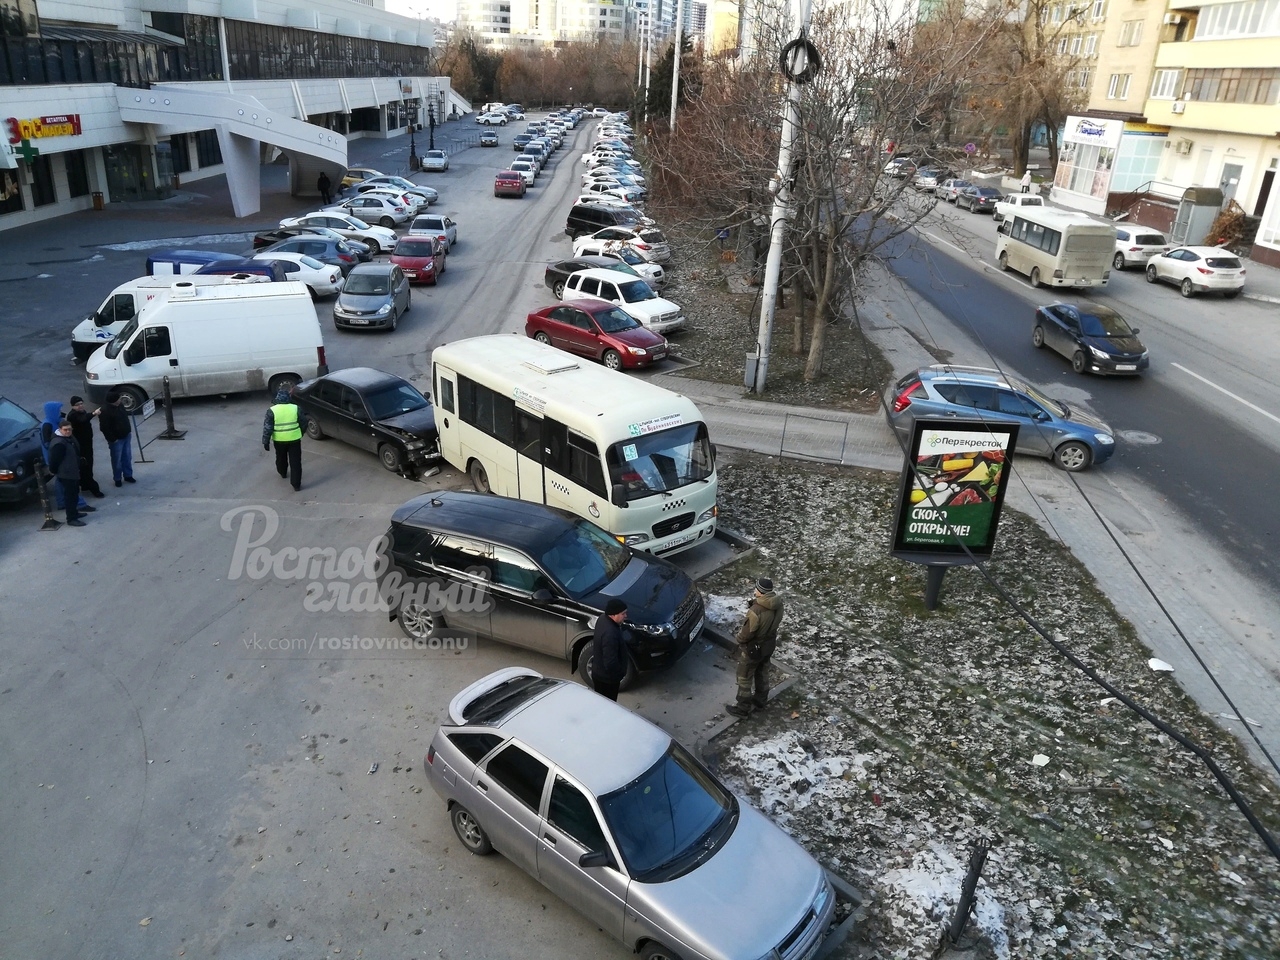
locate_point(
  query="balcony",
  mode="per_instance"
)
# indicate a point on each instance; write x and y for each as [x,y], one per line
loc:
[1253,119]
[1245,52]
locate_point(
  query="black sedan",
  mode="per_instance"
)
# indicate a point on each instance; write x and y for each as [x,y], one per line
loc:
[374,411]
[520,141]
[979,199]
[557,273]
[266,238]
[19,452]
[1094,338]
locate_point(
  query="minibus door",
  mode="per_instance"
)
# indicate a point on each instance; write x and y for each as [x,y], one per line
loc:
[530,479]
[447,422]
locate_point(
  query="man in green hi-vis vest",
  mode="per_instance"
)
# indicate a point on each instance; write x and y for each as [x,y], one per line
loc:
[284,424]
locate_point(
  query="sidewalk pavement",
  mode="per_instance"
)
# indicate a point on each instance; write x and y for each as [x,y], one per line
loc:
[1262,282]
[1225,618]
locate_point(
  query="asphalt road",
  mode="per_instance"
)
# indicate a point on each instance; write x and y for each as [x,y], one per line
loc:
[1211,455]
[184,754]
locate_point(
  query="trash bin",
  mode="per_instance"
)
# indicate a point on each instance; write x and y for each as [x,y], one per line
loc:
[97,199]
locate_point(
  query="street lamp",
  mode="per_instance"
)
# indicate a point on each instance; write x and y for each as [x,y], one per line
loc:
[413,146]
[431,125]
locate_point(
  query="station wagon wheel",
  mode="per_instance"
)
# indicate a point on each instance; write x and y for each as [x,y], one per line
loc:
[387,222]
[1037,336]
[479,478]
[1073,456]
[1152,276]
[613,360]
[1186,289]
[1118,261]
[1078,362]
[390,456]
[656,951]
[1035,276]
[469,831]
[1004,260]
[395,319]
[315,431]
[557,290]
[542,337]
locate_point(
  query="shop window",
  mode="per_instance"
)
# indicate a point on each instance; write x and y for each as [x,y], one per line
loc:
[42,192]
[77,173]
[180,150]
[208,152]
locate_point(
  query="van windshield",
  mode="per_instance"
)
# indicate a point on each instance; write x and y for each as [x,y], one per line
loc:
[115,346]
[661,462]
[584,558]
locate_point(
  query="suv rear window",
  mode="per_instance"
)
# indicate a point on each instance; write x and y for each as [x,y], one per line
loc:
[1149,239]
[1223,263]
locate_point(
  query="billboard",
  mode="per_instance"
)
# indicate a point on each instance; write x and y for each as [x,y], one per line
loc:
[952,489]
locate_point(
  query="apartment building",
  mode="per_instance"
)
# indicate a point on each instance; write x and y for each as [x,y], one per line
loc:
[1185,95]
[127,99]
[511,24]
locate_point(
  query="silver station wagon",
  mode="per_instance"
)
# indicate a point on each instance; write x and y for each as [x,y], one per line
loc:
[623,824]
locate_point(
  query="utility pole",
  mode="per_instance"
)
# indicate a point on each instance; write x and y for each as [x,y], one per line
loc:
[799,62]
[675,67]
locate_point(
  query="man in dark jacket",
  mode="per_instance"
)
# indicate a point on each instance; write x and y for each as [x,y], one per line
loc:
[756,641]
[284,423]
[64,461]
[609,650]
[325,188]
[113,421]
[81,421]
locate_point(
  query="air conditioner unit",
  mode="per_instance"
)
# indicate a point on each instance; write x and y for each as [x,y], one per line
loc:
[1179,106]
[1183,147]
[1172,18]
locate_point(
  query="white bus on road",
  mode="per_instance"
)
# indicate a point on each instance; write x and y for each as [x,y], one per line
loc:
[1056,248]
[526,420]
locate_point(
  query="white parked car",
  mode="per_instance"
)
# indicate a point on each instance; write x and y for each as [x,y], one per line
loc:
[497,116]
[436,161]
[428,194]
[1137,245]
[526,169]
[375,208]
[1198,270]
[1014,202]
[379,239]
[410,199]
[618,250]
[322,278]
[617,191]
[648,241]
[633,295]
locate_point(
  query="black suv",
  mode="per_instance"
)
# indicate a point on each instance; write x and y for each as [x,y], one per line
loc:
[533,576]
[590,217]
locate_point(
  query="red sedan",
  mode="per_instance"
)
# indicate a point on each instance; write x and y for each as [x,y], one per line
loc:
[508,183]
[599,330]
[421,258]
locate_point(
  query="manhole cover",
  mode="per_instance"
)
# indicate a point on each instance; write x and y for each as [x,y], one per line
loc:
[1138,436]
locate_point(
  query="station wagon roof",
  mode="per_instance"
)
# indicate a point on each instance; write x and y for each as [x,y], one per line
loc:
[600,744]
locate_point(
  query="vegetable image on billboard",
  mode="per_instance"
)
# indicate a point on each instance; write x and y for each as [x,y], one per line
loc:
[953,488]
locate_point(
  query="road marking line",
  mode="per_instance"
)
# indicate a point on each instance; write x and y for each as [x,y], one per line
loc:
[946,243]
[1252,406]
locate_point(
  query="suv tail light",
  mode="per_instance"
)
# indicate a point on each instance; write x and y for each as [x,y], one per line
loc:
[431,754]
[1206,272]
[903,399]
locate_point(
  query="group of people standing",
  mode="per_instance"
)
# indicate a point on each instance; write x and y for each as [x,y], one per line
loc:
[67,442]
[757,638]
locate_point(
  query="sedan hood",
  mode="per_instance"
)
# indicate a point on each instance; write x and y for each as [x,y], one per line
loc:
[421,422]
[742,902]
[656,307]
[360,301]
[652,589]
[1087,419]
[1117,346]
[639,337]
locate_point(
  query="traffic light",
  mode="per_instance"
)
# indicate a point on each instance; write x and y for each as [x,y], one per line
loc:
[13,127]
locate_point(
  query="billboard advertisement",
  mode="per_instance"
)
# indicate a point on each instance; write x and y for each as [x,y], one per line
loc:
[952,489]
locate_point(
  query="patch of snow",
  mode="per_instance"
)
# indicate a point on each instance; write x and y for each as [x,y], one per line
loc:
[788,775]
[934,880]
[182,243]
[726,611]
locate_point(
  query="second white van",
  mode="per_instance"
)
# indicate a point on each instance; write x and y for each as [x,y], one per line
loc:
[211,340]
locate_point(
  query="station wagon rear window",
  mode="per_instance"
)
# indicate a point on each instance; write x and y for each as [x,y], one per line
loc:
[492,705]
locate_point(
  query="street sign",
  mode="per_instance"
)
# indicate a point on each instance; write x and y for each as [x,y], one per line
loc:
[148,409]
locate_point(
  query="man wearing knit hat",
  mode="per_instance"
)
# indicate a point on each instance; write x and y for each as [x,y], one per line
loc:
[756,641]
[81,421]
[609,650]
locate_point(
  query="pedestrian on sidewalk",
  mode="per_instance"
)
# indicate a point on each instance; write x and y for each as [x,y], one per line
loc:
[81,421]
[609,650]
[1026,182]
[325,188]
[53,419]
[284,424]
[113,421]
[64,461]
[756,642]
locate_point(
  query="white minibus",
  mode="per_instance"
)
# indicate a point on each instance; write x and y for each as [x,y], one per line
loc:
[526,420]
[1056,248]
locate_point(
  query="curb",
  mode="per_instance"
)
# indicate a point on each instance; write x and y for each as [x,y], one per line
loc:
[1261,297]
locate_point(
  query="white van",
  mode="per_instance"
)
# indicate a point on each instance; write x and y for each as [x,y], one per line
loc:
[124,302]
[632,294]
[210,340]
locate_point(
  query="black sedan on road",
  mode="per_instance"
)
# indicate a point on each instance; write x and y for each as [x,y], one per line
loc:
[1094,338]
[266,238]
[979,199]
[374,411]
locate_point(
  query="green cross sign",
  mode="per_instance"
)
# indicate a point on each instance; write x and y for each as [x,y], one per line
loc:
[26,151]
